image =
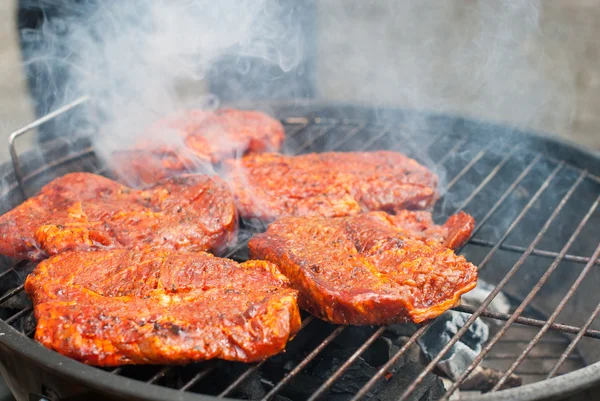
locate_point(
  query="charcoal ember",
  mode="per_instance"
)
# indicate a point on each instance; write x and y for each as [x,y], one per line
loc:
[399,334]
[301,387]
[305,341]
[413,352]
[13,280]
[400,330]
[359,373]
[250,389]
[399,379]
[379,352]
[354,336]
[461,354]
[400,375]
[26,324]
[18,301]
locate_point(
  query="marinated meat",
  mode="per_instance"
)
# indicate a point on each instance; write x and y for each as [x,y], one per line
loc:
[271,186]
[120,307]
[194,140]
[82,211]
[371,268]
[453,234]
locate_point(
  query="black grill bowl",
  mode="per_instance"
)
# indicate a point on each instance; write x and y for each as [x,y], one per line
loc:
[511,181]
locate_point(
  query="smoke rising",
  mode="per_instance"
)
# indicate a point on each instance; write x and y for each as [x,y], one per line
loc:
[489,59]
[134,57]
[141,60]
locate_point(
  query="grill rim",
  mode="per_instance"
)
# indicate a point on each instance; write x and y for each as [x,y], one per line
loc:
[104,381]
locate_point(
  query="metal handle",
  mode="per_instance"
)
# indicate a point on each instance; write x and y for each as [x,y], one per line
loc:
[11,139]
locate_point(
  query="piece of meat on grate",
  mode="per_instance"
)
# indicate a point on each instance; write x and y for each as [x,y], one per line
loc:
[119,307]
[270,186]
[193,140]
[83,211]
[371,268]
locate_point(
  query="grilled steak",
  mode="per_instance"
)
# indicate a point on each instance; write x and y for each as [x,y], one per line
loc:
[371,268]
[194,140]
[119,307]
[82,211]
[270,186]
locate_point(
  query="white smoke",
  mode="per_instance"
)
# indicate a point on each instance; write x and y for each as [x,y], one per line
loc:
[495,60]
[140,60]
[134,57]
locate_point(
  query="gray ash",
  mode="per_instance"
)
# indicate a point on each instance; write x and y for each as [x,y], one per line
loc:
[461,354]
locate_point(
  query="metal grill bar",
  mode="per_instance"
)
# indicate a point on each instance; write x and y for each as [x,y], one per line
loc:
[525,210]
[304,362]
[504,195]
[513,356]
[158,375]
[470,164]
[591,176]
[531,372]
[527,321]
[18,315]
[490,297]
[410,144]
[60,161]
[297,130]
[241,378]
[206,371]
[537,252]
[487,179]
[40,121]
[551,340]
[551,320]
[294,125]
[369,142]
[439,136]
[573,343]
[324,130]
[19,265]
[11,293]
[7,272]
[329,382]
[199,376]
[537,286]
[459,144]
[352,133]
[163,371]
[384,369]
[254,368]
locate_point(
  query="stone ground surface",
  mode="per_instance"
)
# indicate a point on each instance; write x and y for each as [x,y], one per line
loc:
[429,55]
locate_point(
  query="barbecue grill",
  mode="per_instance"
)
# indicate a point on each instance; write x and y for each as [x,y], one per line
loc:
[536,239]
